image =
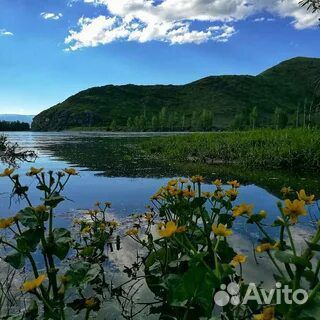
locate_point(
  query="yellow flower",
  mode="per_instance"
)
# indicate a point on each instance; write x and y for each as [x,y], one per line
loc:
[86,229]
[307,199]
[232,194]
[34,171]
[113,224]
[33,284]
[183,181]
[242,209]
[294,209]
[148,216]
[263,214]
[207,195]
[132,232]
[286,191]
[157,196]
[90,303]
[161,225]
[92,213]
[217,182]
[267,247]
[188,193]
[268,313]
[181,229]
[221,230]
[234,183]
[218,195]
[102,226]
[7,172]
[6,223]
[170,228]
[173,182]
[71,171]
[238,259]
[197,179]
[40,208]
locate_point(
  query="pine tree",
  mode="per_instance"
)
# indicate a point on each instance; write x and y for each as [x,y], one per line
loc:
[113,125]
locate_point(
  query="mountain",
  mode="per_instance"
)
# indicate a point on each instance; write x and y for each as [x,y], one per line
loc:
[16,117]
[286,85]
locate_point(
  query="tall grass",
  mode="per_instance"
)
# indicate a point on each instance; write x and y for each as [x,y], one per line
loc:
[265,148]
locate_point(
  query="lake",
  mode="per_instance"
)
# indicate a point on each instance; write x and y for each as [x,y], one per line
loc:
[114,168]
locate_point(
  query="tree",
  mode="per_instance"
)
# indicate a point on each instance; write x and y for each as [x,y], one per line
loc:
[194,121]
[280,119]
[163,118]
[253,117]
[113,125]
[130,124]
[313,5]
[14,126]
[155,123]
[239,122]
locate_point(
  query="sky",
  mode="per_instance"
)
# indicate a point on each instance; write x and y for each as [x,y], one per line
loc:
[51,49]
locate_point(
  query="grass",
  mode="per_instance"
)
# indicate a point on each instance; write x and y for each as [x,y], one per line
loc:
[265,148]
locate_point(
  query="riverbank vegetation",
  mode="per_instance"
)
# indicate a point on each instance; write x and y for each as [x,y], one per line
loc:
[186,261]
[264,148]
[14,126]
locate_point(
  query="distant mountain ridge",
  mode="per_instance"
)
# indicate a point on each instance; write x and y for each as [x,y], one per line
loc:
[16,117]
[285,86]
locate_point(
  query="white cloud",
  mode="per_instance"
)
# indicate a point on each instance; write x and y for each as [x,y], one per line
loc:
[4,32]
[50,15]
[173,21]
[262,19]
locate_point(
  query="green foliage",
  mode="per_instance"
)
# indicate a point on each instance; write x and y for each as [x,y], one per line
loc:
[44,250]
[14,126]
[267,148]
[189,254]
[181,107]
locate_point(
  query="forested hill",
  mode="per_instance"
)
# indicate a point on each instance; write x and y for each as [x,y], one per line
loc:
[216,102]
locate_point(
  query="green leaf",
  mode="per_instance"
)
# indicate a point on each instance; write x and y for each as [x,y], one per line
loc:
[226,219]
[15,259]
[255,218]
[28,240]
[80,273]
[313,246]
[198,202]
[62,242]
[286,257]
[196,286]
[54,200]
[32,311]
[28,218]
[43,188]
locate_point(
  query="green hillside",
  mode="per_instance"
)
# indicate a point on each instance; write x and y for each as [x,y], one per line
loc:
[216,99]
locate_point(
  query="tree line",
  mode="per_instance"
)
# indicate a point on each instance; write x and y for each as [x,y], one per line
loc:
[165,120]
[14,126]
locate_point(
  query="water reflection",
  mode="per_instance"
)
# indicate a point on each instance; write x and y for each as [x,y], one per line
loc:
[113,168]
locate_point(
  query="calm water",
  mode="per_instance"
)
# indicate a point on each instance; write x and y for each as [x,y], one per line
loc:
[111,169]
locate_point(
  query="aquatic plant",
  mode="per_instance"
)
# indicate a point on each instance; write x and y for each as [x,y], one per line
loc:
[55,284]
[190,259]
[263,148]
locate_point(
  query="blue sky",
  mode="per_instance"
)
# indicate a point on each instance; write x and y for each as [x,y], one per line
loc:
[51,49]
